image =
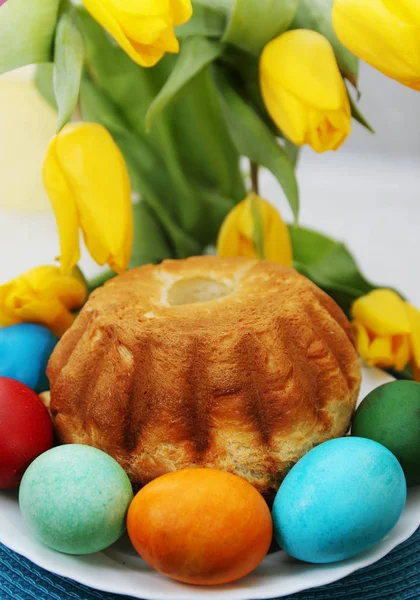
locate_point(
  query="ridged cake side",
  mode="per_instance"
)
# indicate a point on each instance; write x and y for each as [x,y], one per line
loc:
[247,383]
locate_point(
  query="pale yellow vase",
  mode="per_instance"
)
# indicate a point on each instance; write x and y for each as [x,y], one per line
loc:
[27,124]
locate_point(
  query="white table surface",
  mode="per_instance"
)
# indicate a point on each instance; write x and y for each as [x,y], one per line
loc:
[371,203]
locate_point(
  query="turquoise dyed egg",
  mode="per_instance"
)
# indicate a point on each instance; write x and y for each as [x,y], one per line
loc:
[74,498]
[24,353]
[340,499]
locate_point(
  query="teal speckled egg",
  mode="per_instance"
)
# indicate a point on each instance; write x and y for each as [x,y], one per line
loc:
[340,499]
[75,498]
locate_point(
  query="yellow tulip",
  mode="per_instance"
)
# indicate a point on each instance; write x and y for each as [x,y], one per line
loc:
[303,90]
[88,184]
[387,330]
[42,295]
[143,28]
[384,33]
[248,220]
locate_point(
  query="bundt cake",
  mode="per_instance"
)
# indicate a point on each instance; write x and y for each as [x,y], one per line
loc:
[232,363]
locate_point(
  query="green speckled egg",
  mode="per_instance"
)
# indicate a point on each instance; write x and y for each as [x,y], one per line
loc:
[75,498]
[390,415]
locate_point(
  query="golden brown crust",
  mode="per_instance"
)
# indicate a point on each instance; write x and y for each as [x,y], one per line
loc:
[247,382]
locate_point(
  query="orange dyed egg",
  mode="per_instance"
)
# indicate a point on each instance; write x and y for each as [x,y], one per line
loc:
[200,526]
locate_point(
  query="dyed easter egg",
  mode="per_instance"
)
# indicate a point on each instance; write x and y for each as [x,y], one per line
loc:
[25,430]
[200,526]
[75,498]
[24,353]
[340,499]
[390,415]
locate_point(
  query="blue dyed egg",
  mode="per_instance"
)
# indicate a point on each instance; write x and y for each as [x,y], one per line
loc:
[24,353]
[75,498]
[340,499]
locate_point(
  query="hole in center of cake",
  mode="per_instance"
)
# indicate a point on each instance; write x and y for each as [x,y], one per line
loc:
[197,289]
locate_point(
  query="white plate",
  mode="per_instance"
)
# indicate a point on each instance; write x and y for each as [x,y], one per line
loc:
[119,570]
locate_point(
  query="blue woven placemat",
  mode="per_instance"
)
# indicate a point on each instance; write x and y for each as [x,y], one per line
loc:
[396,577]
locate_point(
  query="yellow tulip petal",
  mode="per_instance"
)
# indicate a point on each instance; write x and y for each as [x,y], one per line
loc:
[181,11]
[146,8]
[303,90]
[380,352]
[277,243]
[406,10]
[230,242]
[382,312]
[96,173]
[362,340]
[6,316]
[414,318]
[65,208]
[140,54]
[327,131]
[168,41]
[38,311]
[380,37]
[48,282]
[237,231]
[62,322]
[401,351]
[144,30]
[416,372]
[302,62]
[42,295]
[375,352]
[290,115]
[72,293]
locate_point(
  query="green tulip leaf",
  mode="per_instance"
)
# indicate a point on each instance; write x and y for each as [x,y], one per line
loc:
[214,208]
[357,115]
[254,139]
[27,32]
[95,106]
[316,15]
[44,83]
[222,6]
[206,22]
[256,22]
[196,53]
[292,151]
[69,55]
[150,244]
[206,153]
[330,265]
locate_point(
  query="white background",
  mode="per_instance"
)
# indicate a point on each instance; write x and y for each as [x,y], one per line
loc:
[366,194]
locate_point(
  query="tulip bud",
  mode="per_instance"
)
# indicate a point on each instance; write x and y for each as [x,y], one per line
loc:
[88,184]
[255,229]
[303,90]
[42,295]
[387,330]
[144,30]
[384,33]
[316,15]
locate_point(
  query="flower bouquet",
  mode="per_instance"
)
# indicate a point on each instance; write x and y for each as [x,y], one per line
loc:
[166,112]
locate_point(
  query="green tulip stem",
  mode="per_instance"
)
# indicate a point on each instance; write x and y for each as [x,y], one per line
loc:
[99,280]
[254,178]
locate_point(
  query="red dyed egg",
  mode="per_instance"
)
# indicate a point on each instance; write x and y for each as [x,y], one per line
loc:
[25,430]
